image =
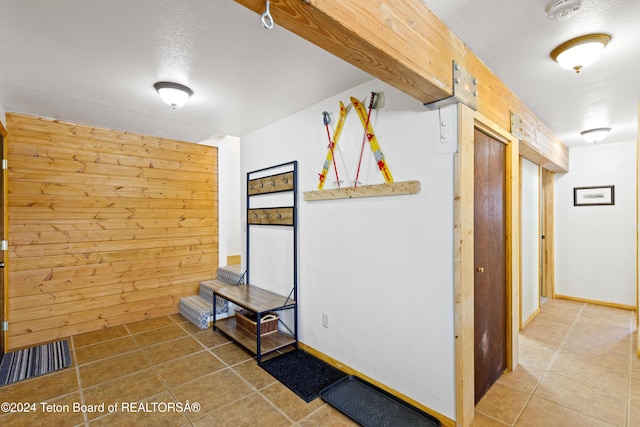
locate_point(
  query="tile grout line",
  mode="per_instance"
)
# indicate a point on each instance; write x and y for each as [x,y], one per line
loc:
[547,368]
[228,366]
[153,367]
[165,387]
[255,389]
[143,354]
[259,391]
[231,366]
[273,404]
[205,349]
[80,388]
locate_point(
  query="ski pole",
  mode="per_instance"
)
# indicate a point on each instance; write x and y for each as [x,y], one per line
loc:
[366,126]
[326,120]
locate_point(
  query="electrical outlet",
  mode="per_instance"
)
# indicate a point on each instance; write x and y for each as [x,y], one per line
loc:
[325,320]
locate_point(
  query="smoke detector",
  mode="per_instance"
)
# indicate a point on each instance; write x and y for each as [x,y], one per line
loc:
[560,8]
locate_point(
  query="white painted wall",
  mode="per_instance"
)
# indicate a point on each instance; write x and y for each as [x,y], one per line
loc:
[3,116]
[381,268]
[229,195]
[530,238]
[595,245]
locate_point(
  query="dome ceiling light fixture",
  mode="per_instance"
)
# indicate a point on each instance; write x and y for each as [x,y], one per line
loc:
[595,135]
[173,94]
[575,54]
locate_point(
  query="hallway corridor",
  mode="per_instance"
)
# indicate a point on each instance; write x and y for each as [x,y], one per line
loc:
[577,368]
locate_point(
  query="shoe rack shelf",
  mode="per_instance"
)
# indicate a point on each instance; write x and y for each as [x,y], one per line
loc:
[262,213]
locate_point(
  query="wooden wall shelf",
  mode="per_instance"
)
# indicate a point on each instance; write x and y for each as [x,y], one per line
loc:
[392,189]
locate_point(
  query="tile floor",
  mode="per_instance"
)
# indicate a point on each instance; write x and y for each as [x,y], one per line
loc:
[577,369]
[160,362]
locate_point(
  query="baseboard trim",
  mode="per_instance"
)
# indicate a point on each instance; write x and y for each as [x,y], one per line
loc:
[445,421]
[530,318]
[594,302]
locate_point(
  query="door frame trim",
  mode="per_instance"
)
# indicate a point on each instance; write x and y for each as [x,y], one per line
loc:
[468,120]
[548,267]
[4,335]
[638,241]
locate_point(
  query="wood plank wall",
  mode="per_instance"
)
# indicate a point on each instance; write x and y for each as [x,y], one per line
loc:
[105,227]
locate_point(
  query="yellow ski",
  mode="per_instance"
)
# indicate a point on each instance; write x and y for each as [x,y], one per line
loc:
[373,141]
[332,145]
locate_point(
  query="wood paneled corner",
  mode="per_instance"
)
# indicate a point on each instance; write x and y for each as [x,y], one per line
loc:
[105,227]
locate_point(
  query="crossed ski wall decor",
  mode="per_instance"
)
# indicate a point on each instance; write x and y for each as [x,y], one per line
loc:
[389,188]
[369,135]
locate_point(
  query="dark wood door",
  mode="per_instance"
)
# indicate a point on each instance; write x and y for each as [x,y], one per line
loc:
[490,299]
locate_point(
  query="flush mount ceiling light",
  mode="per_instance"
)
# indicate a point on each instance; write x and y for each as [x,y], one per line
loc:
[173,94]
[595,135]
[580,52]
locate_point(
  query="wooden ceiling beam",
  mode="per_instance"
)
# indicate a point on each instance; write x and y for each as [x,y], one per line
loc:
[370,36]
[404,44]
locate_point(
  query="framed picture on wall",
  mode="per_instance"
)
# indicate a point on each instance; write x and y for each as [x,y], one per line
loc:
[593,196]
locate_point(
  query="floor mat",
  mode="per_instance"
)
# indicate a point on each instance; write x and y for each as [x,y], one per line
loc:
[370,406]
[302,373]
[34,361]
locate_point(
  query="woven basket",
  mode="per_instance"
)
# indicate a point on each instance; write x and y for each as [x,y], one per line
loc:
[247,320]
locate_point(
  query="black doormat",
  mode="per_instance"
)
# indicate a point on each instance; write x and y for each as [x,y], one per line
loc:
[34,361]
[302,373]
[371,406]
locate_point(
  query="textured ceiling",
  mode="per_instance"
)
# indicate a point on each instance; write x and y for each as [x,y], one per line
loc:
[514,39]
[95,63]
